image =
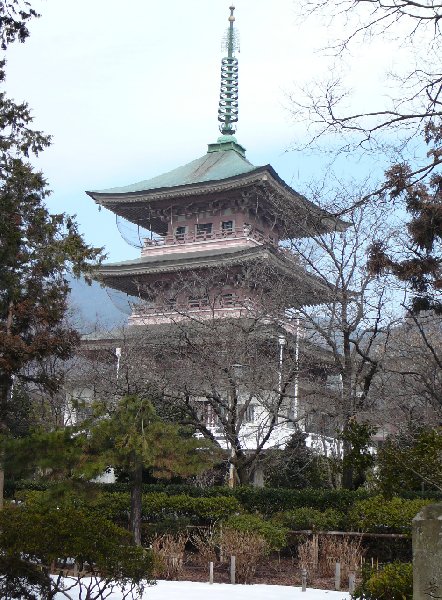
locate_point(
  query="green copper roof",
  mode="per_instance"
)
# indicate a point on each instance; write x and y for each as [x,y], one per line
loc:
[223,160]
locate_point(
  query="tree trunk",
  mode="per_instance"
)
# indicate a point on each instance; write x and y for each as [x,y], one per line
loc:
[5,390]
[347,467]
[243,473]
[136,503]
[347,403]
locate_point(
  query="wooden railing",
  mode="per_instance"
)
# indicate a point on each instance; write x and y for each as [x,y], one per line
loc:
[204,236]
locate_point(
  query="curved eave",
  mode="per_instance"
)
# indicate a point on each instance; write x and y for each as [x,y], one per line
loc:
[127,276]
[296,216]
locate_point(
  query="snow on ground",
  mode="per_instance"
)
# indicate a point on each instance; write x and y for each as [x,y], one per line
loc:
[187,590]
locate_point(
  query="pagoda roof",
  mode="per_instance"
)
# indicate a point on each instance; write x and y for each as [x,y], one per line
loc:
[125,275]
[220,176]
[213,166]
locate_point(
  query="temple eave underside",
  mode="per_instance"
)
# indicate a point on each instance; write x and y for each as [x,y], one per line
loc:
[261,194]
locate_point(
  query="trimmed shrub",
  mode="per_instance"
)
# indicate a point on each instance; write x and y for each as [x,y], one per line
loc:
[274,535]
[156,507]
[379,515]
[310,518]
[393,582]
[268,501]
[159,506]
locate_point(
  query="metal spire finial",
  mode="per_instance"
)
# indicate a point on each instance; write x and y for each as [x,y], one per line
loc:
[228,99]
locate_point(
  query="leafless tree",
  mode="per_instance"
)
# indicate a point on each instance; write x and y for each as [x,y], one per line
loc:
[354,324]
[409,386]
[234,374]
[411,104]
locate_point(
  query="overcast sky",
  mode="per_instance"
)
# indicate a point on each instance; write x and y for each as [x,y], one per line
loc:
[130,90]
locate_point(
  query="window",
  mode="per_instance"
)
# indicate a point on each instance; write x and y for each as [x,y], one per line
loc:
[170,303]
[227,227]
[249,415]
[180,232]
[198,301]
[228,300]
[204,229]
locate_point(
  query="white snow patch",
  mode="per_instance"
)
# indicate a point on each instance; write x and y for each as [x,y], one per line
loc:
[187,590]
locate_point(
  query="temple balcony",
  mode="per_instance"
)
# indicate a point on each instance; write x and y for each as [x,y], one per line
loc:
[240,236]
[199,309]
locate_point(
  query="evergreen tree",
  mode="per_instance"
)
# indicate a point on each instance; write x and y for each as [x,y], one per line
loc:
[37,250]
[297,466]
[131,437]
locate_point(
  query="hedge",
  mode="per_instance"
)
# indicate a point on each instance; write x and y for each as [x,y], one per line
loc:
[275,535]
[378,515]
[296,509]
[250,497]
[311,518]
[156,506]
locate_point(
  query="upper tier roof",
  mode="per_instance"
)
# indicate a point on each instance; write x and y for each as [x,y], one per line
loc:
[213,166]
[222,176]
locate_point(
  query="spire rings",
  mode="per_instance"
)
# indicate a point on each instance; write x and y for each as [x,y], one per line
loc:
[228,102]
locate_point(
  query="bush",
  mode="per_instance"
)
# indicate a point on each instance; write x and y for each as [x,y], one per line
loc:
[248,548]
[168,552]
[296,466]
[274,535]
[310,518]
[393,582]
[52,539]
[418,452]
[159,506]
[380,515]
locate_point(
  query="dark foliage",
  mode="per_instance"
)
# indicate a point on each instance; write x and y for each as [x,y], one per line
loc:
[14,18]
[297,466]
[21,580]
[421,262]
[38,252]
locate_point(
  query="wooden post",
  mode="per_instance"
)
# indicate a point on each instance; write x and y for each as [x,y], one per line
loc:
[315,557]
[337,576]
[221,553]
[304,580]
[232,569]
[210,572]
[351,582]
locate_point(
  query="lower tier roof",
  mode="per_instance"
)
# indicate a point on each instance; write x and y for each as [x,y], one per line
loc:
[128,275]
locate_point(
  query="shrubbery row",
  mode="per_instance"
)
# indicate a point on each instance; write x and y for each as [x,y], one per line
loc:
[165,512]
[263,500]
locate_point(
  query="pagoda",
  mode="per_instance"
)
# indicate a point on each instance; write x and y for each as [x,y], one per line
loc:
[218,212]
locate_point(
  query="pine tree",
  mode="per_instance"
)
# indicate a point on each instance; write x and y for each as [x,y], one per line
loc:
[132,437]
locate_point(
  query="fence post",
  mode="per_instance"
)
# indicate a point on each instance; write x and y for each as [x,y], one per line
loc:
[210,572]
[351,582]
[232,569]
[221,553]
[304,579]
[337,576]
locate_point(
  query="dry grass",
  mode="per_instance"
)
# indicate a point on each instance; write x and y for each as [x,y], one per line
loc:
[332,549]
[249,550]
[345,550]
[168,551]
[205,541]
[306,556]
